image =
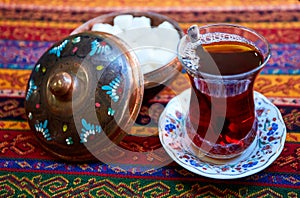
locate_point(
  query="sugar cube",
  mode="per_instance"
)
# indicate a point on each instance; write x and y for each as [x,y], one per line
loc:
[166,24]
[101,27]
[123,21]
[140,22]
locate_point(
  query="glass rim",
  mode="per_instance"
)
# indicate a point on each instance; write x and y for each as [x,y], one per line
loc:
[232,76]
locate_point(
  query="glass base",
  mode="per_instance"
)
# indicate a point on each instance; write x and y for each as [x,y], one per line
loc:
[203,147]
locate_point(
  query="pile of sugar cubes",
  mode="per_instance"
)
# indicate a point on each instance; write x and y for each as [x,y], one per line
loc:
[154,46]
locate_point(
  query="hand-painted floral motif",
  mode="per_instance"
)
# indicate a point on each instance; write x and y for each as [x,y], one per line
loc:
[111,112]
[44,69]
[75,49]
[170,127]
[42,128]
[30,116]
[37,67]
[172,124]
[57,50]
[76,40]
[64,127]
[69,141]
[99,67]
[87,130]
[272,129]
[113,89]
[100,47]
[31,88]
[250,164]
[178,115]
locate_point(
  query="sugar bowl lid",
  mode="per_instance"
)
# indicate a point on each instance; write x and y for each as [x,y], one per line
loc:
[83,95]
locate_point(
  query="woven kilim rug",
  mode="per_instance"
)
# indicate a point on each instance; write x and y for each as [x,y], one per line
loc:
[28,28]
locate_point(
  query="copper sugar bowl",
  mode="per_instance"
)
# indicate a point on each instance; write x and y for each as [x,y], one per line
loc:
[83,94]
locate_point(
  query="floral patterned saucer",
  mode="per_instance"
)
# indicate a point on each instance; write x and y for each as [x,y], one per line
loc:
[267,147]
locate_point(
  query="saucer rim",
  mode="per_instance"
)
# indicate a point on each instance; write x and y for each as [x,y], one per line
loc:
[247,172]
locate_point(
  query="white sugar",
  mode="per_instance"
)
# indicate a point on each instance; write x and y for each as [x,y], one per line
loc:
[101,27]
[117,30]
[166,24]
[123,21]
[140,22]
[154,47]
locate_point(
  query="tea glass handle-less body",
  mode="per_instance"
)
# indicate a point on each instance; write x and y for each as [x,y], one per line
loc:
[221,121]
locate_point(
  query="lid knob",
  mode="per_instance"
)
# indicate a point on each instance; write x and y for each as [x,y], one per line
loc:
[60,84]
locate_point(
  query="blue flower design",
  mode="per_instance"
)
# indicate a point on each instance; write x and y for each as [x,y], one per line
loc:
[170,127]
[274,126]
[88,129]
[273,129]
[194,163]
[42,128]
[250,164]
[57,50]
[112,89]
[31,88]
[99,47]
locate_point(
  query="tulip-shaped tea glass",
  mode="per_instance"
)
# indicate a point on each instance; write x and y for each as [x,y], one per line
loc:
[222,62]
